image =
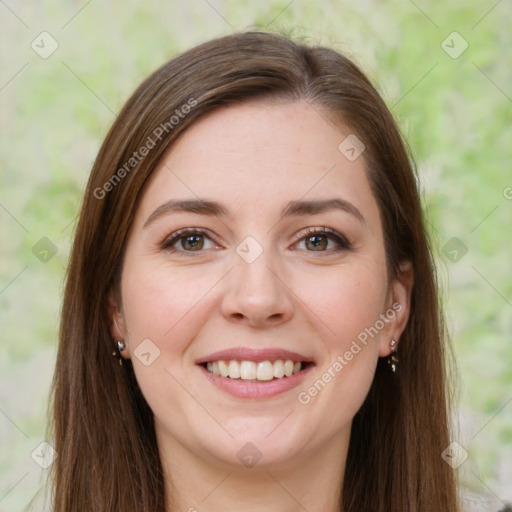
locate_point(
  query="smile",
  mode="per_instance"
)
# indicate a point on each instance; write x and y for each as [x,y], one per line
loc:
[252,387]
[254,370]
[255,373]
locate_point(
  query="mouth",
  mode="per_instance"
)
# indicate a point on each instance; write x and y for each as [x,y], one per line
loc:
[258,374]
[255,371]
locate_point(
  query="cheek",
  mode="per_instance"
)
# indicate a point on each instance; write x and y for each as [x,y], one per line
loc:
[346,302]
[159,302]
[162,305]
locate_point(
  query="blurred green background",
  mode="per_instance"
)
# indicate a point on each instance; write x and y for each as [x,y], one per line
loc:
[450,92]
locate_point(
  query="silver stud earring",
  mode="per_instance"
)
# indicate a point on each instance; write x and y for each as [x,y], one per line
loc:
[393,359]
[120,346]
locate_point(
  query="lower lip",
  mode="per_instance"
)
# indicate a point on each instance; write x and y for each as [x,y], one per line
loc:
[256,390]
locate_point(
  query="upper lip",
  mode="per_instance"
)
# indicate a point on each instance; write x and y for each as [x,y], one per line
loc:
[251,354]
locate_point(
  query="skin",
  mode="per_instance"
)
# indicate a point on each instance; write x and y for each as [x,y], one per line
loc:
[254,158]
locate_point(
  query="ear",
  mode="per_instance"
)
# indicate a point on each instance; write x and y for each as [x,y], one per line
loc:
[117,322]
[398,307]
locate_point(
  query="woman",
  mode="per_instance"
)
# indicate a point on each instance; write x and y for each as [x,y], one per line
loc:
[252,251]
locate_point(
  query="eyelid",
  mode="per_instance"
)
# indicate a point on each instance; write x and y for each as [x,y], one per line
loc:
[182,233]
[315,230]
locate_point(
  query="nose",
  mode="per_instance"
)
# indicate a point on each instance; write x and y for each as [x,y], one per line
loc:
[256,293]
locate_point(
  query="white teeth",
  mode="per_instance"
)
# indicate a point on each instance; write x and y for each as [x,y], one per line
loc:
[250,370]
[288,368]
[278,369]
[223,368]
[265,370]
[234,370]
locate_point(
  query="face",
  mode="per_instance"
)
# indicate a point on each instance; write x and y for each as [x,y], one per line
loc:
[282,261]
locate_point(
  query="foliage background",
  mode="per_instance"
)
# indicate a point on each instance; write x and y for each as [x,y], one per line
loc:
[455,113]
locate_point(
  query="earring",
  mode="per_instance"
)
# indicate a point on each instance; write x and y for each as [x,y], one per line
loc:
[120,346]
[393,359]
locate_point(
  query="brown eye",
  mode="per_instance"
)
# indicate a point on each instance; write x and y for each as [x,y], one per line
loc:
[317,240]
[186,240]
[193,242]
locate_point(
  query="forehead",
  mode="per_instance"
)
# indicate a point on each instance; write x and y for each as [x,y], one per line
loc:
[258,156]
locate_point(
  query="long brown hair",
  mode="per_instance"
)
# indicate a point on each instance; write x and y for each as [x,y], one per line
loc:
[103,428]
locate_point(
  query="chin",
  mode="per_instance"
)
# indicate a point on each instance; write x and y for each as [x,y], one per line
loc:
[255,448]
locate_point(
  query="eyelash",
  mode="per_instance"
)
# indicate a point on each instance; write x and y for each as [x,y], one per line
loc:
[343,243]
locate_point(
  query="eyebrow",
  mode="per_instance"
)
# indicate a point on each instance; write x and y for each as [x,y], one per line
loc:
[293,208]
